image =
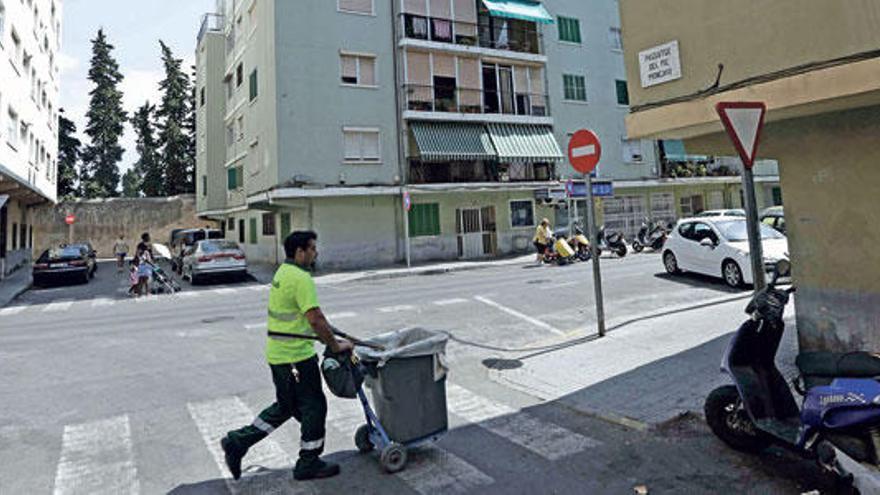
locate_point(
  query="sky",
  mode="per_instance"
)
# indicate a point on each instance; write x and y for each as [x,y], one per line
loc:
[134,27]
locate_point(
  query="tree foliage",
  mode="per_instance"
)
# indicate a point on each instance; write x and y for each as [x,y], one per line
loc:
[68,158]
[149,165]
[176,137]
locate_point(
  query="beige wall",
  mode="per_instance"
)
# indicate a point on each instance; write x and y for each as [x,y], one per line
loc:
[831,183]
[750,37]
[102,221]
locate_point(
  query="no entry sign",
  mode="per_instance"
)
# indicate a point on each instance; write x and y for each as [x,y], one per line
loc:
[584,151]
[69,219]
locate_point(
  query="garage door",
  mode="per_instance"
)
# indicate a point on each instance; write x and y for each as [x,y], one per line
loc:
[625,214]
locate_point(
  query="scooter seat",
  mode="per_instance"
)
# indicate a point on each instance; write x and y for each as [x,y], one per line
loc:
[839,364]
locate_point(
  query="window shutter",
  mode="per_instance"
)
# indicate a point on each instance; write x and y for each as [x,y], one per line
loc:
[370,141]
[360,6]
[352,145]
[419,7]
[444,65]
[440,9]
[368,71]
[349,69]
[418,68]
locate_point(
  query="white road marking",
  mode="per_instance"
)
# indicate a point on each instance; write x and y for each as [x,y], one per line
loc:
[340,316]
[102,301]
[513,312]
[256,326]
[58,306]
[449,302]
[97,458]
[345,416]
[186,294]
[256,288]
[435,470]
[13,310]
[559,286]
[396,309]
[224,291]
[590,149]
[215,418]
[545,439]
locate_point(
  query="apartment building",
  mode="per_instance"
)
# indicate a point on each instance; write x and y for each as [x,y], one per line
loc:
[815,65]
[30,41]
[327,115]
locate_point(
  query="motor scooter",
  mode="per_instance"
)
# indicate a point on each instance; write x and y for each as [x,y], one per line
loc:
[652,236]
[839,422]
[613,241]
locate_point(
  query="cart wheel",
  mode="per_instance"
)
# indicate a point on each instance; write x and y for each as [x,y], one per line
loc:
[362,439]
[393,458]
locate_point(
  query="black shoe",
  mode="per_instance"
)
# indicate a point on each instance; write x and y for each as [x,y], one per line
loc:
[314,469]
[233,458]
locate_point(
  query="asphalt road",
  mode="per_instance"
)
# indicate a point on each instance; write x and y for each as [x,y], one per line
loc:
[105,394]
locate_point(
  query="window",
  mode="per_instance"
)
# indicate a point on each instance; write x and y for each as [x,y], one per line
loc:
[239,75]
[424,220]
[777,196]
[622,92]
[569,30]
[239,135]
[358,70]
[691,205]
[632,151]
[615,39]
[234,178]
[204,185]
[268,224]
[356,6]
[202,96]
[285,225]
[522,213]
[230,224]
[253,231]
[361,145]
[241,231]
[252,85]
[575,87]
[12,129]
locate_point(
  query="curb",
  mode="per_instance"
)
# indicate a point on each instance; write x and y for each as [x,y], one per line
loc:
[15,293]
[420,271]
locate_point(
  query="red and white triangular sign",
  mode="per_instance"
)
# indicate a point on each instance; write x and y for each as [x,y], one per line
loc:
[743,121]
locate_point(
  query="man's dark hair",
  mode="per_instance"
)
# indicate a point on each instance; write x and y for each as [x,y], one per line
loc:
[145,236]
[298,240]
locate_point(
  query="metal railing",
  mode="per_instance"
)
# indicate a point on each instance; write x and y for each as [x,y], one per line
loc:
[211,22]
[488,32]
[434,98]
[471,171]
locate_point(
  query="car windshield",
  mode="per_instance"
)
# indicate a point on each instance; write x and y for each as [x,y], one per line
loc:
[215,246]
[735,231]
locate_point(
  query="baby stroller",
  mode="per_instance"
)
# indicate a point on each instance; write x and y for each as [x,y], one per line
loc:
[162,281]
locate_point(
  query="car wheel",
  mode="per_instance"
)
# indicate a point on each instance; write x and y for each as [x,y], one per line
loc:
[670,263]
[732,274]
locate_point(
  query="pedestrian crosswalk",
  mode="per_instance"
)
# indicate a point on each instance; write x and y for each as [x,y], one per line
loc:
[99,456]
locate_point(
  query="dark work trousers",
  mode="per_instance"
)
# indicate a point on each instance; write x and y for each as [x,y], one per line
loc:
[302,399]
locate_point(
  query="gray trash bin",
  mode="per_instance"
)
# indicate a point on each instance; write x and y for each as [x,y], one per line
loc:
[408,383]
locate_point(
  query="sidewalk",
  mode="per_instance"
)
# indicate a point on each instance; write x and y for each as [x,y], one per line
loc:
[263,272]
[647,371]
[13,285]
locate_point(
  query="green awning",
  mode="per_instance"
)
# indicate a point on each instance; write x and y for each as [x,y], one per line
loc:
[444,141]
[524,10]
[524,143]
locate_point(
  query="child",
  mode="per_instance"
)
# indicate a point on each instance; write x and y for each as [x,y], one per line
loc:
[133,278]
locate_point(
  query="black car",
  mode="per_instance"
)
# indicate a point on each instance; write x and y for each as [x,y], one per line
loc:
[90,250]
[71,262]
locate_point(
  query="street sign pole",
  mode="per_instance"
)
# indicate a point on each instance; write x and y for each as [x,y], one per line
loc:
[594,254]
[406,227]
[755,246]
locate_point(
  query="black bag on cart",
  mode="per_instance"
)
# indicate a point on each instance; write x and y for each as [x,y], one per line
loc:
[342,374]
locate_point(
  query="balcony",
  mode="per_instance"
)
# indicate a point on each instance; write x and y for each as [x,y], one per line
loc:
[457,172]
[452,99]
[488,32]
[210,23]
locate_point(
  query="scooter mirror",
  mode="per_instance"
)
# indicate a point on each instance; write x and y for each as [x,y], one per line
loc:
[783,268]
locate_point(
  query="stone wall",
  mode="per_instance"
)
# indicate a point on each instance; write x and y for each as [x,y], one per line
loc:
[101,221]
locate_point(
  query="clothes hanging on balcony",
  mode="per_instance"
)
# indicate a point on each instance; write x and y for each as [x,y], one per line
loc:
[419,27]
[442,29]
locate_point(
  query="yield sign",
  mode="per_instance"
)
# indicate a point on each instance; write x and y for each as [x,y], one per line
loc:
[743,121]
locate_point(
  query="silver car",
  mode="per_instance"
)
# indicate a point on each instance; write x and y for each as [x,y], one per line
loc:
[213,257]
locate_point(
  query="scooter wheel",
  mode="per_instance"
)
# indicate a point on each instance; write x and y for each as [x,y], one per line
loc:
[731,423]
[393,458]
[362,440]
[621,251]
[637,246]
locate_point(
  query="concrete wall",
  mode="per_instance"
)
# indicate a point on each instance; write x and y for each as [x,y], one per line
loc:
[750,38]
[830,179]
[102,221]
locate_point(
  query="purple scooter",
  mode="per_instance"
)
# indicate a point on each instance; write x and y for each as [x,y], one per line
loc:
[839,425]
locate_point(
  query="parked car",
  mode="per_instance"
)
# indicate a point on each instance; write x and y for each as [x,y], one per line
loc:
[90,250]
[735,212]
[71,262]
[213,257]
[719,246]
[184,238]
[774,217]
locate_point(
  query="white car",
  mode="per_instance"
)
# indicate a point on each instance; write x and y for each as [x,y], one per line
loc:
[719,246]
[723,213]
[213,257]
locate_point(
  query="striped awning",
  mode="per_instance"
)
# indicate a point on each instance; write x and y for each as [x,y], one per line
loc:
[444,141]
[525,10]
[524,143]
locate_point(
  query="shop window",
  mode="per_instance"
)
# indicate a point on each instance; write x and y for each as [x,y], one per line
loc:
[522,213]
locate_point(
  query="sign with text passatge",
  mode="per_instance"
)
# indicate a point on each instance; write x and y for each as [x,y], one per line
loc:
[660,64]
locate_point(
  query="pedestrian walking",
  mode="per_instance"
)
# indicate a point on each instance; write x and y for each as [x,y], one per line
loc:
[120,249]
[293,311]
[144,253]
[543,237]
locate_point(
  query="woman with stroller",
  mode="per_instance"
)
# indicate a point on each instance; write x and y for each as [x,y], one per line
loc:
[144,254]
[543,238]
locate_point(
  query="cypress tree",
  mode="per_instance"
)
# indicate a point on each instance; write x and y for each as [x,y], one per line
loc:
[174,135]
[105,125]
[148,167]
[68,157]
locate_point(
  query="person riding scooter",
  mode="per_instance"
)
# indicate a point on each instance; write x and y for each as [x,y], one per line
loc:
[839,421]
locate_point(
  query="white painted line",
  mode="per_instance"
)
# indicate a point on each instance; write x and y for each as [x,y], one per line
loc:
[548,440]
[434,470]
[186,294]
[340,316]
[215,418]
[224,291]
[97,458]
[396,309]
[590,149]
[256,288]
[344,416]
[559,286]
[256,326]
[449,302]
[14,310]
[513,312]
[58,307]
[102,301]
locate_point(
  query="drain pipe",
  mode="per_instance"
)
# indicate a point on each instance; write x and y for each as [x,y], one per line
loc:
[401,137]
